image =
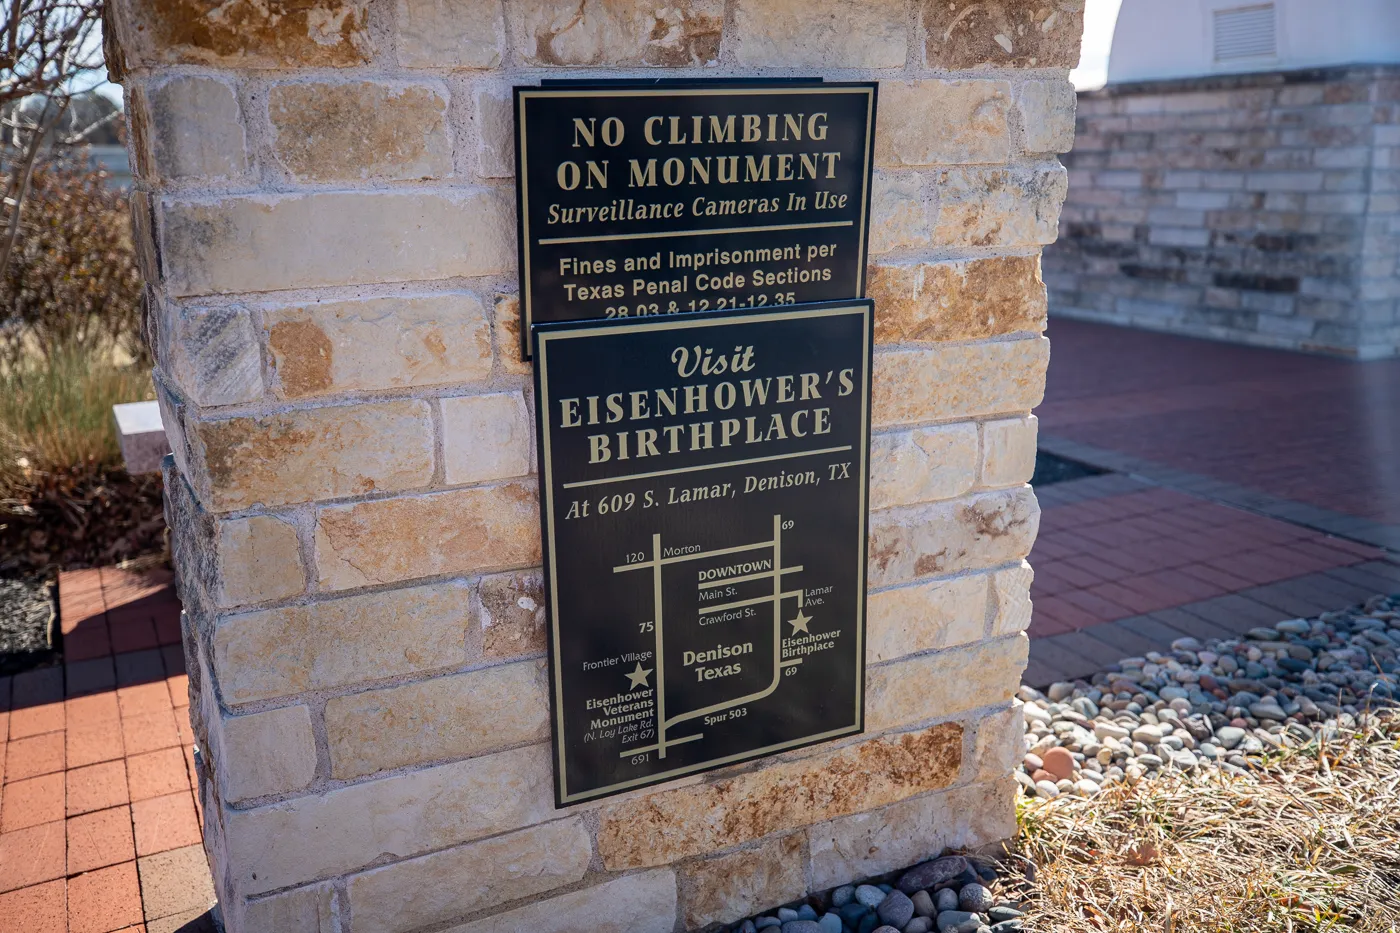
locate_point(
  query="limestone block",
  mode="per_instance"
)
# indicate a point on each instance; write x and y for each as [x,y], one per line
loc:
[266,753]
[960,34]
[996,743]
[284,844]
[1011,595]
[507,329]
[911,831]
[922,465]
[259,560]
[901,211]
[360,130]
[278,652]
[301,910]
[172,419]
[1017,207]
[436,888]
[475,530]
[640,903]
[143,240]
[1008,451]
[913,619]
[1047,114]
[191,539]
[976,532]
[310,33]
[677,34]
[969,299]
[820,34]
[446,717]
[213,355]
[944,683]
[195,128]
[450,33]
[140,436]
[377,343]
[486,437]
[940,121]
[256,243]
[317,453]
[733,886]
[701,818]
[495,131]
[512,615]
[941,383]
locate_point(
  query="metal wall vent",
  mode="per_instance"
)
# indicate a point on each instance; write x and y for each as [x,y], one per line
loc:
[1246,32]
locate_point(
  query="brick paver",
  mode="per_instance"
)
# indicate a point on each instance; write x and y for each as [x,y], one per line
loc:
[1069,655]
[1308,439]
[1124,566]
[97,765]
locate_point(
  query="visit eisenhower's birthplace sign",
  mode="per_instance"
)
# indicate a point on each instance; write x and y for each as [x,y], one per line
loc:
[646,200]
[703,501]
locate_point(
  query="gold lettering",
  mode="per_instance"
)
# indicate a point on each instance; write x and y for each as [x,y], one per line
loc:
[642,179]
[569,413]
[752,172]
[721,133]
[646,130]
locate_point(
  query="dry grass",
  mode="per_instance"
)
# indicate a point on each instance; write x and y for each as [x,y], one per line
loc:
[1309,842]
[56,414]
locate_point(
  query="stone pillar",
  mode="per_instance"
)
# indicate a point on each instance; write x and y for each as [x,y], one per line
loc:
[325,209]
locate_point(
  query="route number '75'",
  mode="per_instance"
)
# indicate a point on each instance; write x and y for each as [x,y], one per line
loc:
[646,626]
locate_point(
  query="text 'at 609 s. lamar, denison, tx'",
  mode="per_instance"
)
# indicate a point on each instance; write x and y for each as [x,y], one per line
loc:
[703,500]
[639,201]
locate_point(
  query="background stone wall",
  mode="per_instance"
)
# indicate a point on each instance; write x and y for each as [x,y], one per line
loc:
[1261,208]
[326,214]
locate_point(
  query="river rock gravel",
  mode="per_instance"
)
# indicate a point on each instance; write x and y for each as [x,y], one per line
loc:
[1211,704]
[26,624]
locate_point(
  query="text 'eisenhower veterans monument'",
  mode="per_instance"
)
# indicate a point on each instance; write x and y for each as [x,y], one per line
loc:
[704,486]
[637,201]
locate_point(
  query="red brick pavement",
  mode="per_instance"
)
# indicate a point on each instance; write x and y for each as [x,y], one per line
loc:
[1308,429]
[98,807]
[1140,552]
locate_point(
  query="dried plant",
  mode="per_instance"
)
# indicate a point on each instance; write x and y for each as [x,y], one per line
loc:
[1310,841]
[72,285]
[47,49]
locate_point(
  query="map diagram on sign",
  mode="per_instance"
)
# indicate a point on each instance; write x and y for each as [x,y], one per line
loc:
[761,566]
[705,538]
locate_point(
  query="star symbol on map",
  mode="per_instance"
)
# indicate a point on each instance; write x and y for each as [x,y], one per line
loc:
[638,677]
[799,624]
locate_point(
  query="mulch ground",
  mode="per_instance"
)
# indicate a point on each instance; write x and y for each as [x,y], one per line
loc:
[75,520]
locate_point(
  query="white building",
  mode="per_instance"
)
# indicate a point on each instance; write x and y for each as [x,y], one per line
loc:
[1156,39]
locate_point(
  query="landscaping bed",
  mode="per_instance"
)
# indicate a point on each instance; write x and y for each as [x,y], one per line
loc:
[81,519]
[1240,784]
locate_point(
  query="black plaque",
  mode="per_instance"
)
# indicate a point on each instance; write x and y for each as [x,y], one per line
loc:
[703,501]
[644,200]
